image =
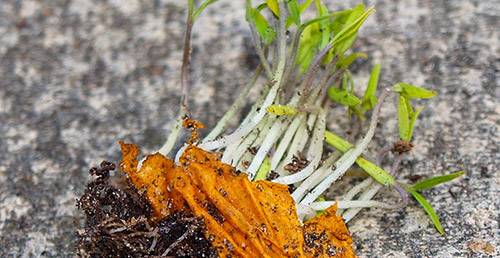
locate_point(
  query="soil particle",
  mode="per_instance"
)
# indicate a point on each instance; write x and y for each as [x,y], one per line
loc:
[119,224]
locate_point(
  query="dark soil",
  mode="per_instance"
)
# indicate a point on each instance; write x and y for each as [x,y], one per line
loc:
[119,223]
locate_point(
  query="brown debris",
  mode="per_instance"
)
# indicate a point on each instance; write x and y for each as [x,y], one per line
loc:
[402,147]
[481,246]
[326,235]
[119,223]
[194,126]
[297,164]
[242,218]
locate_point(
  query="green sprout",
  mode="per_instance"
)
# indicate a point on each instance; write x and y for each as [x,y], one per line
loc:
[306,78]
[426,184]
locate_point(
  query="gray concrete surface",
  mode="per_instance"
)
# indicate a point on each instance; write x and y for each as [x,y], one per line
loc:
[78,75]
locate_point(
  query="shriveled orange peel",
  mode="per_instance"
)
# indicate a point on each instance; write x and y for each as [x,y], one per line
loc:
[243,218]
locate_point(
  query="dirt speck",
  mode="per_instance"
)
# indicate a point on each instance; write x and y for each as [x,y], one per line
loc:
[119,223]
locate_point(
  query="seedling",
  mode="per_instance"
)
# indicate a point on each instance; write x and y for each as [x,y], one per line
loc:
[282,137]
[289,119]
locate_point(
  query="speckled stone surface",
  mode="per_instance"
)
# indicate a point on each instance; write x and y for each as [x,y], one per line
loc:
[78,75]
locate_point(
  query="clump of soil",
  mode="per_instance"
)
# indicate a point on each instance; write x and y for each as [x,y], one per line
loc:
[119,223]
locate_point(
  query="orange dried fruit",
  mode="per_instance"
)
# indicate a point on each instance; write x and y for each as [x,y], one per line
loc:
[242,218]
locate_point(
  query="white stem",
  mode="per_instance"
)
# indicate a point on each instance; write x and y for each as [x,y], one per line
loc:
[367,195]
[246,128]
[245,157]
[310,121]
[304,212]
[179,154]
[350,204]
[316,145]
[233,157]
[285,141]
[271,138]
[346,161]
[227,156]
[357,189]
[172,137]
[315,178]
[298,143]
[314,153]
[260,134]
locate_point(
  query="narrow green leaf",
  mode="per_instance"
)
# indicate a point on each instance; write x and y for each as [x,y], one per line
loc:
[430,211]
[344,39]
[337,142]
[257,20]
[305,5]
[274,7]
[294,11]
[324,24]
[343,97]
[309,40]
[340,20]
[376,172]
[370,99]
[261,7]
[345,62]
[413,120]
[202,7]
[282,110]
[315,20]
[431,182]
[403,118]
[345,81]
[264,170]
[308,46]
[413,92]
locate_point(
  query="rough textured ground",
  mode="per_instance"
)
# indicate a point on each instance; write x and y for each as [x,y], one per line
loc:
[78,75]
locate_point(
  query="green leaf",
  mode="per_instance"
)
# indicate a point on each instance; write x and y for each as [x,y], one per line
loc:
[294,11]
[322,10]
[345,62]
[274,7]
[403,119]
[431,182]
[305,5]
[264,170]
[407,118]
[257,20]
[337,142]
[376,172]
[413,120]
[413,92]
[344,39]
[202,7]
[344,27]
[308,46]
[315,20]
[282,110]
[340,20]
[430,211]
[370,99]
[343,97]
[310,38]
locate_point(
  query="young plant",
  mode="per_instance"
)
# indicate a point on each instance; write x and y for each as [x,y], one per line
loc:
[282,137]
[278,125]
